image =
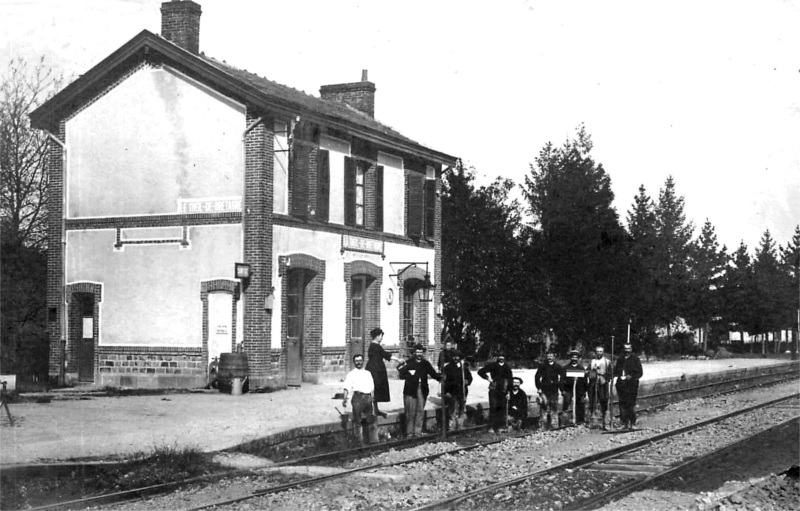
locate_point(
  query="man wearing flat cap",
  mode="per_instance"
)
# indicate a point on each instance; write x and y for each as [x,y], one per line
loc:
[457,379]
[499,375]
[628,371]
[517,404]
[548,383]
[574,386]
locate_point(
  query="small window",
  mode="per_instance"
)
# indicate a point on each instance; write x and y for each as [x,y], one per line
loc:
[360,194]
[409,289]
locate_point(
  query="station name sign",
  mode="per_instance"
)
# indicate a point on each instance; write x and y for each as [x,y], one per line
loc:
[210,205]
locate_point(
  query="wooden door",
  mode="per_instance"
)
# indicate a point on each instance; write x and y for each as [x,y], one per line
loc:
[295,319]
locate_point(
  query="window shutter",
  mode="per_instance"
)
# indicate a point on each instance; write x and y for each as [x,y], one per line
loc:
[430,207]
[415,205]
[349,191]
[323,185]
[300,162]
[379,198]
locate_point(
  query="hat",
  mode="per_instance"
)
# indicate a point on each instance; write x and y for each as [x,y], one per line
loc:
[420,346]
[375,332]
[574,352]
[517,378]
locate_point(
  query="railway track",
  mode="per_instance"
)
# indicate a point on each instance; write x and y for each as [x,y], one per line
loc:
[339,456]
[637,465]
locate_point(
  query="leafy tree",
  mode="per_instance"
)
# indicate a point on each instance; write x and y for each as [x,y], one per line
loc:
[23,217]
[673,243]
[583,248]
[708,263]
[485,289]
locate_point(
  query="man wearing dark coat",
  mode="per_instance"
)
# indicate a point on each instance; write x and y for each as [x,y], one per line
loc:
[548,382]
[628,371]
[415,372]
[499,375]
[376,366]
[517,404]
[457,379]
[577,383]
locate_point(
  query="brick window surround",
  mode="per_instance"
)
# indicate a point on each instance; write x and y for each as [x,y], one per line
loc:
[372,303]
[413,278]
[311,349]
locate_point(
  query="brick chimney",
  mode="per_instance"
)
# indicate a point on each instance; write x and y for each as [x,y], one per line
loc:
[359,95]
[180,24]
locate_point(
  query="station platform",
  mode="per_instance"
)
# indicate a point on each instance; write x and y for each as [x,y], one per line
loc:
[77,424]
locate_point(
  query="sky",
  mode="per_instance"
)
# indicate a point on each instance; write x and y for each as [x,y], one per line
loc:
[705,91]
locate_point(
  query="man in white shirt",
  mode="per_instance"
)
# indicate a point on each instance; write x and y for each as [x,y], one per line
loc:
[599,379]
[359,384]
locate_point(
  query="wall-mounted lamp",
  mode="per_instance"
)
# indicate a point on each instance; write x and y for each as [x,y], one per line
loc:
[269,301]
[426,287]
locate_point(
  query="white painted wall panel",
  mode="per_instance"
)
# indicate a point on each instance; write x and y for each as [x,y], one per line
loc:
[153,139]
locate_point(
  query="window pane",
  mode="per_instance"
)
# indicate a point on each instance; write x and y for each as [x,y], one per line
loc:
[360,215]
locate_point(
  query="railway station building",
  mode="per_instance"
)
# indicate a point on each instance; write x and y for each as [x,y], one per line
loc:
[199,209]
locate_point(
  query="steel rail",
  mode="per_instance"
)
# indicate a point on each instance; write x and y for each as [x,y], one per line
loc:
[596,457]
[139,493]
[648,481]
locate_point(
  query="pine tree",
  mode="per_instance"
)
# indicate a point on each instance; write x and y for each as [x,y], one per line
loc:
[707,270]
[642,229]
[771,315]
[739,288]
[673,241]
[790,260]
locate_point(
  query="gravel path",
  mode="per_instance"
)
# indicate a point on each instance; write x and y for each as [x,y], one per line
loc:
[413,485]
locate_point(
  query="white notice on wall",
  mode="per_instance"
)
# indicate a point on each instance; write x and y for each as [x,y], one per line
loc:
[222,330]
[88,328]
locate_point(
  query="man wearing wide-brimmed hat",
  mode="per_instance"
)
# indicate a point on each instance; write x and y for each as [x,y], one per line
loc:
[574,386]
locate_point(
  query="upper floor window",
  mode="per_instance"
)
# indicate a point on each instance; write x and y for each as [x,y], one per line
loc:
[280,165]
[360,195]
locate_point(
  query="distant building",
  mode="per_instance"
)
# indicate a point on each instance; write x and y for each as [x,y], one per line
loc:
[169,167]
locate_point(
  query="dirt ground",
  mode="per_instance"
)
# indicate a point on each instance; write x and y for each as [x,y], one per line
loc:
[73,425]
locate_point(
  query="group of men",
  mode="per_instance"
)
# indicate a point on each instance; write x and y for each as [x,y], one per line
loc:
[508,403]
[578,384]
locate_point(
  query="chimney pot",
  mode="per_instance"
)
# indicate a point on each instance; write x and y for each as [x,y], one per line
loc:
[180,24]
[364,75]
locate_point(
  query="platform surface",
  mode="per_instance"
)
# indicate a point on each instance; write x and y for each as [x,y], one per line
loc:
[86,426]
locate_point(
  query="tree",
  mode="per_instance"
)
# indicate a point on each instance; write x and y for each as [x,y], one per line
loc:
[583,250]
[673,241]
[708,263]
[790,260]
[23,189]
[643,237]
[486,294]
[739,288]
[770,313]
[23,217]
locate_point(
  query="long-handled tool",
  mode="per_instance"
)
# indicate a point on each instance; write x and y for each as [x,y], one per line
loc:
[611,388]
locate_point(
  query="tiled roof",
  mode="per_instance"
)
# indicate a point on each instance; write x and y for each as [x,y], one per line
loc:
[323,107]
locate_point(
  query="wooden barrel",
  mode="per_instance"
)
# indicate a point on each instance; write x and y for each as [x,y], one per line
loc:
[232,365]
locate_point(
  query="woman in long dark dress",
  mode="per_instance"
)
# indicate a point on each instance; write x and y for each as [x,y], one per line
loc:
[376,366]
